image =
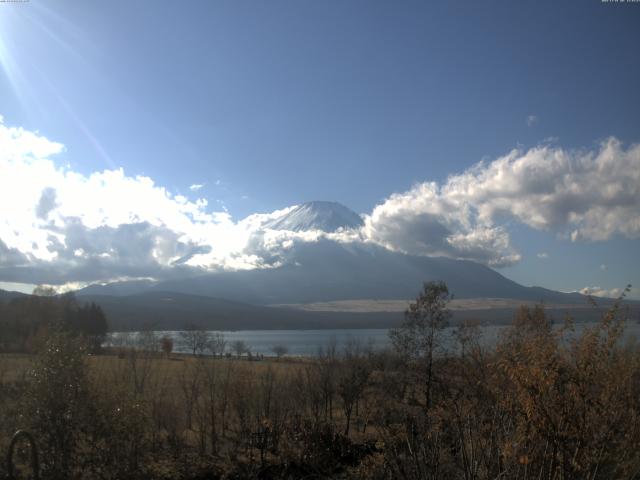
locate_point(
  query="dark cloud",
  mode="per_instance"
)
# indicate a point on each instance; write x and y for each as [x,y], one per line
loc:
[11,257]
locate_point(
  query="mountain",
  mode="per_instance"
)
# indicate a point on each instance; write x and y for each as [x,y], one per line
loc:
[119,289]
[317,272]
[325,216]
[327,271]
[7,295]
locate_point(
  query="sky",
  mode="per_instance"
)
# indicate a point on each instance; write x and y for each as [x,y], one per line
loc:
[149,139]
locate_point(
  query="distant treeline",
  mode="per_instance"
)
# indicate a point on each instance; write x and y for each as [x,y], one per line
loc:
[25,322]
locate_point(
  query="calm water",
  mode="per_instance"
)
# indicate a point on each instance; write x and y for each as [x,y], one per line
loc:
[307,342]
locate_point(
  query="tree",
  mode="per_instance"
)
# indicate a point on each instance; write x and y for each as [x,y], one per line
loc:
[280,350]
[352,379]
[418,337]
[166,344]
[217,344]
[240,347]
[467,335]
[195,338]
[58,402]
[92,325]
[326,367]
[44,291]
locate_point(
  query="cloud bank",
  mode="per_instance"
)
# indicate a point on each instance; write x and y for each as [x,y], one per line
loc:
[59,226]
[584,195]
[425,221]
[609,293]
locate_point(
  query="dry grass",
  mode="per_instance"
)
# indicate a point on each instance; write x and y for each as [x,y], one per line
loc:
[13,366]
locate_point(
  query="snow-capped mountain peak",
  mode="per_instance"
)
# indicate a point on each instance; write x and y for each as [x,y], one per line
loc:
[318,215]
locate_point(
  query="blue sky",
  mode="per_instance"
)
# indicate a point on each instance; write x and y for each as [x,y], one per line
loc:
[270,104]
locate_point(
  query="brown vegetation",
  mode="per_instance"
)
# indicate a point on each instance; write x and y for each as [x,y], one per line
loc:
[545,404]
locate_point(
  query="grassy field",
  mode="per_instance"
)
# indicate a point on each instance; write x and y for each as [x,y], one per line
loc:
[542,404]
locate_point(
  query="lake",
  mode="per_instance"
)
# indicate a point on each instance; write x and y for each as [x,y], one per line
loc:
[307,342]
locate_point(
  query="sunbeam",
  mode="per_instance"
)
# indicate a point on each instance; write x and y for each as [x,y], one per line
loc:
[33,21]
[8,64]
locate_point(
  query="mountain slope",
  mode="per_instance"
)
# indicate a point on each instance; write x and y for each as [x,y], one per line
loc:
[119,289]
[175,311]
[8,295]
[326,270]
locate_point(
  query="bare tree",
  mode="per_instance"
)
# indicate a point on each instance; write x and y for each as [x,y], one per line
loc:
[354,375]
[240,347]
[217,344]
[140,358]
[166,344]
[210,370]
[195,338]
[467,335]
[190,386]
[280,351]
[326,366]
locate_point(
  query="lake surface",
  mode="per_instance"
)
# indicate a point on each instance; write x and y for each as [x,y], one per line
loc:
[308,342]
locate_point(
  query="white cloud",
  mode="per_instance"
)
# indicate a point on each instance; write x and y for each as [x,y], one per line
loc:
[531,120]
[603,267]
[64,227]
[196,186]
[634,293]
[542,255]
[423,221]
[58,225]
[589,195]
[601,292]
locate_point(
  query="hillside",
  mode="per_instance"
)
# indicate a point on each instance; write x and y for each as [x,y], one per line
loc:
[328,271]
[175,311]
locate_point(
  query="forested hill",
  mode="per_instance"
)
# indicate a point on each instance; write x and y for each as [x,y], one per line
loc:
[26,320]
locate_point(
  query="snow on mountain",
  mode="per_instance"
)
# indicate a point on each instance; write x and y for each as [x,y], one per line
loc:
[325,216]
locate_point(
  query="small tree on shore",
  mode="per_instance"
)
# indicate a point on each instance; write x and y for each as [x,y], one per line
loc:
[280,351]
[195,338]
[166,344]
[217,344]
[240,347]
